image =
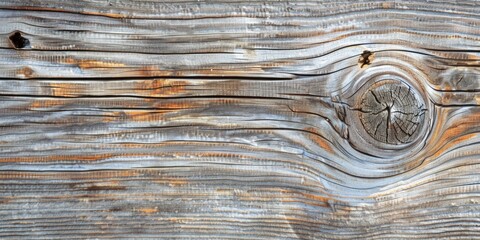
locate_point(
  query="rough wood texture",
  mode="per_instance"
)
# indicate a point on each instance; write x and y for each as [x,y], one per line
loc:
[391,113]
[239,119]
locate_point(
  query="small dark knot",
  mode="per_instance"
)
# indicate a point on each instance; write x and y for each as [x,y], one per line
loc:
[365,58]
[18,40]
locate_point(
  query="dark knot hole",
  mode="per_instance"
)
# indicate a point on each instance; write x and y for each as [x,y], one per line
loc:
[18,40]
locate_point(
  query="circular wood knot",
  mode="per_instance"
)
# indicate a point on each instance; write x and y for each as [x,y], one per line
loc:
[391,112]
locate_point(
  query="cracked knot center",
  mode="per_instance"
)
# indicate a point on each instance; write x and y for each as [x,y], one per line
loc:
[391,112]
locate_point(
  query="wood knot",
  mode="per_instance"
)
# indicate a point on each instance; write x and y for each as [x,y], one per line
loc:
[25,72]
[365,58]
[391,112]
[18,40]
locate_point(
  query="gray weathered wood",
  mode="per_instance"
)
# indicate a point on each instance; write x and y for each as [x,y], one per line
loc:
[239,119]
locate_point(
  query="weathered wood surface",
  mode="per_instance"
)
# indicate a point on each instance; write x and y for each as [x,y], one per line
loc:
[239,119]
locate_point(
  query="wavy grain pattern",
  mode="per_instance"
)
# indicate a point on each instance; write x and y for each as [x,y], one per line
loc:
[239,119]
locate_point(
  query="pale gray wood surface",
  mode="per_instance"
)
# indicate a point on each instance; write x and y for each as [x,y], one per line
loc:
[239,119]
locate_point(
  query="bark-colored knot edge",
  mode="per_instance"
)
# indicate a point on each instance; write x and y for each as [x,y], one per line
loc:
[18,40]
[392,113]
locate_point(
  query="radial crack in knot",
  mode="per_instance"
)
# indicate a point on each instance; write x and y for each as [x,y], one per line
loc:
[391,112]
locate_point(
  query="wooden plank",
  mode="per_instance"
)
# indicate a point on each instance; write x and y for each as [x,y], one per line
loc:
[239,119]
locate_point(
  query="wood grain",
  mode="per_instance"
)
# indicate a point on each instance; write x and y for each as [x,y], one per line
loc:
[239,119]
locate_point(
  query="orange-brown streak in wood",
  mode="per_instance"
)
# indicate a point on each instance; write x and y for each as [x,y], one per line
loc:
[453,136]
[101,186]
[67,89]
[317,200]
[148,211]
[25,72]
[161,87]
[92,64]
[153,71]
[322,142]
